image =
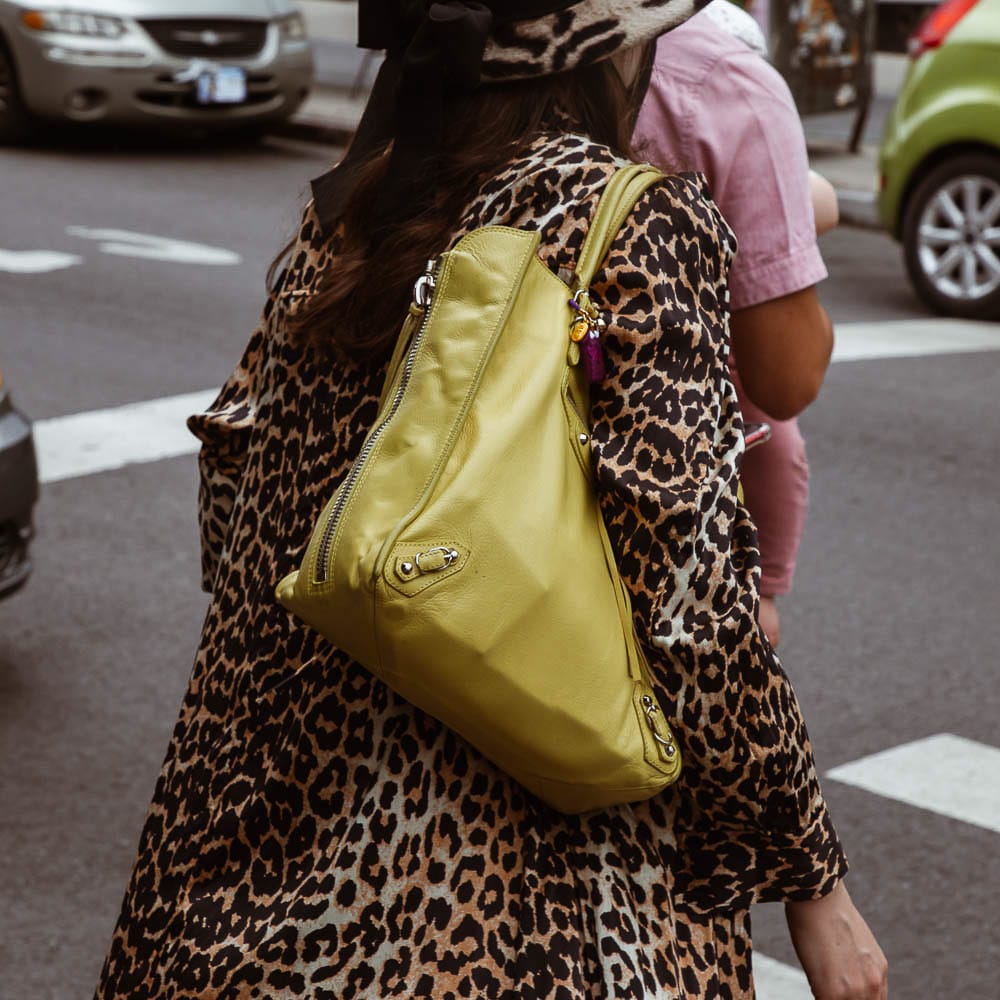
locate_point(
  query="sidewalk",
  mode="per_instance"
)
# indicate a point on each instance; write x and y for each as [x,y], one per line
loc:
[344,74]
[855,176]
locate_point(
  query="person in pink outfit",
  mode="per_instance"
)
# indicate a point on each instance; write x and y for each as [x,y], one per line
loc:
[716,106]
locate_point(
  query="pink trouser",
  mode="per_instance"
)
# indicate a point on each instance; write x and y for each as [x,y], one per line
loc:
[775,478]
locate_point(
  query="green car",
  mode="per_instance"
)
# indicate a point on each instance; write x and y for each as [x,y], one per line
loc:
[940,161]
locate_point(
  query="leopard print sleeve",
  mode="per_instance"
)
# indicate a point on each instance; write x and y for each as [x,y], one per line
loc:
[751,821]
[224,431]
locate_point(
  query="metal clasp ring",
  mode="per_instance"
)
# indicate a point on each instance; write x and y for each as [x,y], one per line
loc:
[450,556]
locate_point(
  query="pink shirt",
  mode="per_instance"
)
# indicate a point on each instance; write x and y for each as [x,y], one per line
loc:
[716,106]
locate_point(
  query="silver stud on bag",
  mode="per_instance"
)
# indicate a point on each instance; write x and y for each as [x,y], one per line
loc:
[583,438]
[406,568]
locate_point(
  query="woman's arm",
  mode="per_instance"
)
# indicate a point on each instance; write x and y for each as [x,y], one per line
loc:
[750,819]
[783,349]
[224,430]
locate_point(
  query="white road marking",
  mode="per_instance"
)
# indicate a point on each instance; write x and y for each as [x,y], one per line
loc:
[945,774]
[87,443]
[913,338]
[122,243]
[776,981]
[36,261]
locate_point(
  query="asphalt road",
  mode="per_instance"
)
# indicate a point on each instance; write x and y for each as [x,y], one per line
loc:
[891,634]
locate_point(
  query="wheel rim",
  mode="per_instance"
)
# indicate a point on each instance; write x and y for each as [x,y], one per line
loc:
[958,238]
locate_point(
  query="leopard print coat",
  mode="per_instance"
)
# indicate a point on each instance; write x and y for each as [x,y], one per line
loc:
[313,835]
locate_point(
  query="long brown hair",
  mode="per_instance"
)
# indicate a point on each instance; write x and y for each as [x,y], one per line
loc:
[364,291]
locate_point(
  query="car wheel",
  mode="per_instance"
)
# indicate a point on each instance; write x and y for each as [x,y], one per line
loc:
[13,117]
[951,237]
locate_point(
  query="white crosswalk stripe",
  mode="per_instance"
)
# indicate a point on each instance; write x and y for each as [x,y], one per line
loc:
[776,981]
[944,774]
[913,338]
[99,441]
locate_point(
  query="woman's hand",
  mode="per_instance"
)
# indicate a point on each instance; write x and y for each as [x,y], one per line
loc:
[838,951]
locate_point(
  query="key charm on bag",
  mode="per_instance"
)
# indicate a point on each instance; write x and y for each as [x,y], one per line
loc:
[586,332]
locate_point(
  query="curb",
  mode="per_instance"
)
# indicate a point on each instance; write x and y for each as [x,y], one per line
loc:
[858,209]
[308,128]
[329,115]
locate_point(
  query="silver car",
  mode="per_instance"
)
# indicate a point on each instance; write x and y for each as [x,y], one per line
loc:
[207,62]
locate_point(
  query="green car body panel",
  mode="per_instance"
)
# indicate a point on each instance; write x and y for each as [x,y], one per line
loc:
[949,103]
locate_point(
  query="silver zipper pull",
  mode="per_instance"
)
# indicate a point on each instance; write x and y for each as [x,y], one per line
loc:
[423,290]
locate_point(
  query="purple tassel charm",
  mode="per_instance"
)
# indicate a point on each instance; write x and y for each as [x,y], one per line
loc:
[592,357]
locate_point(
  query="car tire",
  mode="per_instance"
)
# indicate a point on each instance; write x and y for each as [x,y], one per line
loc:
[15,566]
[14,119]
[248,135]
[951,237]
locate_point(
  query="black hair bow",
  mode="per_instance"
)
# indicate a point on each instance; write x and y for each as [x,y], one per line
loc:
[432,52]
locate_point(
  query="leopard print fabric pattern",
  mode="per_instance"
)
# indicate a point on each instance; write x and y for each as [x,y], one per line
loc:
[313,835]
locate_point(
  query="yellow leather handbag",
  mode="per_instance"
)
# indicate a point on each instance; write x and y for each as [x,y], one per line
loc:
[464,559]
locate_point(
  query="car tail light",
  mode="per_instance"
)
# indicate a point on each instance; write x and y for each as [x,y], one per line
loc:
[935,28]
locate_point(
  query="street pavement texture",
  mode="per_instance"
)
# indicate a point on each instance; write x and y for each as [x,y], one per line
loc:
[131,296]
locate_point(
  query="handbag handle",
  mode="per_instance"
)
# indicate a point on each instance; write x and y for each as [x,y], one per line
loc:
[626,187]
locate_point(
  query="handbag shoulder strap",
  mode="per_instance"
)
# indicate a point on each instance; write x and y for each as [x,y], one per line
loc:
[626,187]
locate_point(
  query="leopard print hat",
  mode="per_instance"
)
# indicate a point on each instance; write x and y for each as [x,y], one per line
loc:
[515,39]
[438,48]
[562,35]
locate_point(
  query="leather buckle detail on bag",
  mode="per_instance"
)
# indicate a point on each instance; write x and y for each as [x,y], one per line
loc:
[415,566]
[662,750]
[432,561]
[666,741]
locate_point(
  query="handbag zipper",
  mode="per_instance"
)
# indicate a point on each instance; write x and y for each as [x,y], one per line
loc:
[423,295]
